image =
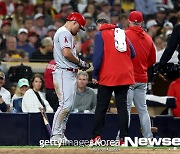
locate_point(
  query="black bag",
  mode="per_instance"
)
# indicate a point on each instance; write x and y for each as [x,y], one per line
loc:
[17,72]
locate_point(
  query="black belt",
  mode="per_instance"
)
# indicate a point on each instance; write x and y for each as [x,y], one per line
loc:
[72,70]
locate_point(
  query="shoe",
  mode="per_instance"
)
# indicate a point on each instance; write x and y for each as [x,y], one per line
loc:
[61,140]
[121,143]
[96,141]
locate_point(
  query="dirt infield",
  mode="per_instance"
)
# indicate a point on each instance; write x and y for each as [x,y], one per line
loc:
[86,151]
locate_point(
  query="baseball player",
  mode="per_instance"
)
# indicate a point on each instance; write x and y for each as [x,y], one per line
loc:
[64,77]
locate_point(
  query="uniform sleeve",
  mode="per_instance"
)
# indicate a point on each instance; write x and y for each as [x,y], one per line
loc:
[98,53]
[171,45]
[65,40]
[152,56]
[133,52]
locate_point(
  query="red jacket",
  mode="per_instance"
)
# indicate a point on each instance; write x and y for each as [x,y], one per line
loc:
[48,78]
[116,67]
[145,52]
[174,90]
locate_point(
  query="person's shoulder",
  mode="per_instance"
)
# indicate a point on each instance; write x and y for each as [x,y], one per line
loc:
[90,90]
[5,91]
[28,91]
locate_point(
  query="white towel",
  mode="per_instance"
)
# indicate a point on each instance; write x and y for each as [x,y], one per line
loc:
[120,40]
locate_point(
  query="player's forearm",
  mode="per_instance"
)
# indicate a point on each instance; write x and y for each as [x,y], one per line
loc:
[69,55]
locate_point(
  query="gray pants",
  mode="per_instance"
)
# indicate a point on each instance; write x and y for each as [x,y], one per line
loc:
[137,94]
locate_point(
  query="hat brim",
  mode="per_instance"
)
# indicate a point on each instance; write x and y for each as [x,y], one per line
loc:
[82,28]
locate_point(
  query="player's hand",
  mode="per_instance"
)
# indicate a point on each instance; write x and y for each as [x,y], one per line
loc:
[83,65]
[94,81]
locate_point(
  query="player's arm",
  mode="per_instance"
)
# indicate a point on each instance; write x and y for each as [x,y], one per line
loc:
[67,53]
[69,56]
[98,53]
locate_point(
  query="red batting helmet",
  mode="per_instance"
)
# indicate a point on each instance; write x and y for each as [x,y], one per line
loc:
[77,17]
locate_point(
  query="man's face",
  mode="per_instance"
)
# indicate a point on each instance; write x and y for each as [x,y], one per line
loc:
[82,81]
[75,29]
[22,37]
[2,81]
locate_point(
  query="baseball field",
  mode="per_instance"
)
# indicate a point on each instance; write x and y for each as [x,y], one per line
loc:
[88,150]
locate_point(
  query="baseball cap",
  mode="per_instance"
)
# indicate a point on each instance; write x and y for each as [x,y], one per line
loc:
[168,24]
[22,30]
[33,33]
[151,23]
[2,75]
[38,15]
[87,15]
[47,41]
[51,28]
[6,22]
[136,16]
[23,82]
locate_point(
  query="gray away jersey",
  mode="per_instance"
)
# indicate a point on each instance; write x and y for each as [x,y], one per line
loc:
[62,39]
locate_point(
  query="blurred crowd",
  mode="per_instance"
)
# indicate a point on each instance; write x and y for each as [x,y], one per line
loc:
[25,23]
[28,27]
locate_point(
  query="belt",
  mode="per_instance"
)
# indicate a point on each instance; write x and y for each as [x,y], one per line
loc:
[72,70]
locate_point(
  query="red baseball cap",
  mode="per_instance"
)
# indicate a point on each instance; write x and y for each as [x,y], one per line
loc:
[6,22]
[136,16]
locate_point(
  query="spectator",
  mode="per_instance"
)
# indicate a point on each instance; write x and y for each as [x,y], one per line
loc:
[33,39]
[22,87]
[91,9]
[5,32]
[152,28]
[12,54]
[28,23]
[105,11]
[45,52]
[124,21]
[85,100]
[49,10]
[34,98]
[91,31]
[5,96]
[9,7]
[18,17]
[22,42]
[175,92]
[147,7]
[51,30]
[59,22]
[39,25]
[50,91]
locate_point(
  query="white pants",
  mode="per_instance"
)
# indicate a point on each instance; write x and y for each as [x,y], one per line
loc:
[65,86]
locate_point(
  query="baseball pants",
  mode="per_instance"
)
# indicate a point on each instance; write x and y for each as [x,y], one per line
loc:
[65,87]
[137,94]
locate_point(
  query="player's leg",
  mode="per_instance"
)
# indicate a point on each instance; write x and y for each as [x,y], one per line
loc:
[141,106]
[130,96]
[121,103]
[103,98]
[65,86]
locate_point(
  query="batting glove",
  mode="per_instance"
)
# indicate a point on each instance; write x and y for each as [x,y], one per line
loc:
[83,65]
